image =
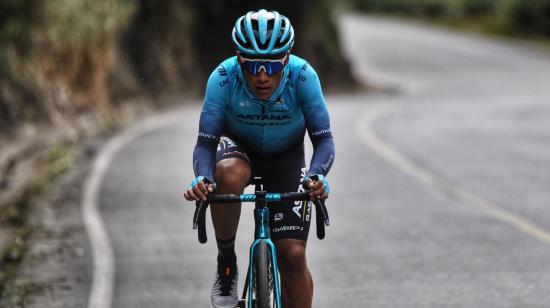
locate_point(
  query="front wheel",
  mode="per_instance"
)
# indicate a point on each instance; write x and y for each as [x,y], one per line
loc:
[263,277]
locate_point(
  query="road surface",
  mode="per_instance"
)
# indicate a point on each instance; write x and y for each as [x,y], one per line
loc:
[440,189]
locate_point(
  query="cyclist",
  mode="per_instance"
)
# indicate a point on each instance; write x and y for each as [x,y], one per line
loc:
[257,108]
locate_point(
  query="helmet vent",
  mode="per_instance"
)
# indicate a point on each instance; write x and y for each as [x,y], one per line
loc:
[257,29]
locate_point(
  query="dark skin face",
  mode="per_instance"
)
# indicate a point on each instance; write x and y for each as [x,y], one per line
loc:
[262,85]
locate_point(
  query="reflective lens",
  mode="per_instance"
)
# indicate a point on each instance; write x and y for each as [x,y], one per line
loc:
[270,67]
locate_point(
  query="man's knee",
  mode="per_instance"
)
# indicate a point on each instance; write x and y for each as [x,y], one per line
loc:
[292,256]
[232,174]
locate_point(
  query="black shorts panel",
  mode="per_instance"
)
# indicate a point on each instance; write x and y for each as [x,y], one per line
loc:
[280,173]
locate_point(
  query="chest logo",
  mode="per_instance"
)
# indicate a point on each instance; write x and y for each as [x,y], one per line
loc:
[263,117]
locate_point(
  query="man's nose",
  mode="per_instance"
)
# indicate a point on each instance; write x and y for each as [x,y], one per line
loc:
[262,76]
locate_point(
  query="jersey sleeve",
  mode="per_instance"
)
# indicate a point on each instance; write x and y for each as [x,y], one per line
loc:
[317,120]
[211,123]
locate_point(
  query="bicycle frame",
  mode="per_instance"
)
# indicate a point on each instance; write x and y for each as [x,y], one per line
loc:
[262,229]
[262,233]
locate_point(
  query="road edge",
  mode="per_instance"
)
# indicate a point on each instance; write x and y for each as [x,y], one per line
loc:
[102,288]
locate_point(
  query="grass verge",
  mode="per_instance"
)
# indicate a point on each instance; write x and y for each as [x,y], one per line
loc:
[15,221]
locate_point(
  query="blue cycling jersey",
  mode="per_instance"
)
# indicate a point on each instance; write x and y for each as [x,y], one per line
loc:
[265,127]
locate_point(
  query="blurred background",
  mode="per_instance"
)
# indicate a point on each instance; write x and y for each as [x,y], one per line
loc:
[74,69]
[60,59]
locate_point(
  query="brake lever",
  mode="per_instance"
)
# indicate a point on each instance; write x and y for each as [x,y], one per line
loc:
[199,220]
[320,204]
[321,218]
[196,215]
[325,212]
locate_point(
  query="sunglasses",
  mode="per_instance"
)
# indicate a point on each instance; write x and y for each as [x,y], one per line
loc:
[270,67]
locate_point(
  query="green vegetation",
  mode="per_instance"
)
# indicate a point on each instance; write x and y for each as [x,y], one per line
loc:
[14,219]
[60,59]
[55,58]
[510,17]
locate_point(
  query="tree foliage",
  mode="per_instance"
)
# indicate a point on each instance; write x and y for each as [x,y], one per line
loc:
[61,58]
[517,17]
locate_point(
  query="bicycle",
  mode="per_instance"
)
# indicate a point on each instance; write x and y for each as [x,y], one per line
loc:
[263,279]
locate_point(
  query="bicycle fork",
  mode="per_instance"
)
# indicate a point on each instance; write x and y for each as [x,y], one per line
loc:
[262,234]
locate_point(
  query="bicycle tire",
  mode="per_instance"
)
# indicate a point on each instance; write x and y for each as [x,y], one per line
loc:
[263,276]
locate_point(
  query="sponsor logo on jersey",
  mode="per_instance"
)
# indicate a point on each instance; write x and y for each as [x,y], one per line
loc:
[222,71]
[322,132]
[278,217]
[246,103]
[228,142]
[302,77]
[327,164]
[263,117]
[208,136]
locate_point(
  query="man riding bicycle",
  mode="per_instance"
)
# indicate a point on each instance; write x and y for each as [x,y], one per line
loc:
[257,108]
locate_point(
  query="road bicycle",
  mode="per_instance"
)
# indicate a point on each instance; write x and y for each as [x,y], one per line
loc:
[263,284]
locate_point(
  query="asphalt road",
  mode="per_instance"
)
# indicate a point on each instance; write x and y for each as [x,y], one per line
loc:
[441,186]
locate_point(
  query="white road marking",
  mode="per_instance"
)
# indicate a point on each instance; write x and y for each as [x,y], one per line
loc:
[364,128]
[101,293]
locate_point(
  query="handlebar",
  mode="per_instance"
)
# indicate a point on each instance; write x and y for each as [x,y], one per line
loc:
[322,218]
[268,197]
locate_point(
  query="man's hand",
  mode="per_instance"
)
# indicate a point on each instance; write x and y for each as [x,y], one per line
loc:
[199,189]
[317,185]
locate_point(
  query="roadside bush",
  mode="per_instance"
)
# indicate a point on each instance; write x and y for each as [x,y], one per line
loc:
[387,6]
[526,16]
[477,8]
[16,19]
[432,8]
[429,8]
[504,16]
